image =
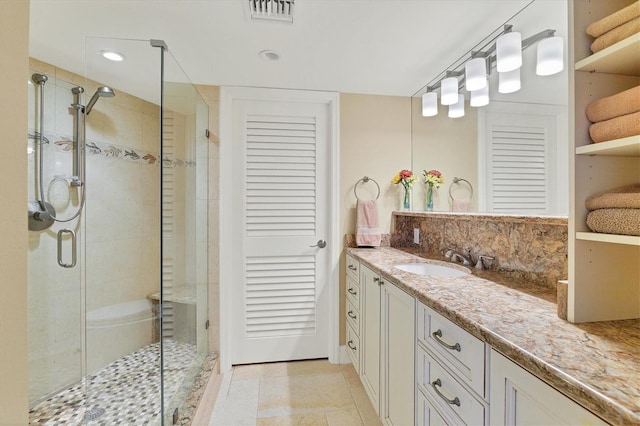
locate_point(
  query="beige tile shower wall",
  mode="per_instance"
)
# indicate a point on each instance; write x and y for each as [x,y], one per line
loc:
[531,247]
[375,141]
[14,36]
[211,95]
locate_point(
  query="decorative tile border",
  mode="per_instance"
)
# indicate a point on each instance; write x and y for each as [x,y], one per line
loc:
[109,150]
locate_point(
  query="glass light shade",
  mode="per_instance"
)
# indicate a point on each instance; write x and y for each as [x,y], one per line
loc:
[475,72]
[429,104]
[449,91]
[509,52]
[550,56]
[457,110]
[480,97]
[509,82]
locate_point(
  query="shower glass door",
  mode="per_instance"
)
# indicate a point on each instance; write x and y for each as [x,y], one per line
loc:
[119,337]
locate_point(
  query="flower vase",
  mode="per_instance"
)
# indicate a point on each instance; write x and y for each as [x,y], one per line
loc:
[429,206]
[406,201]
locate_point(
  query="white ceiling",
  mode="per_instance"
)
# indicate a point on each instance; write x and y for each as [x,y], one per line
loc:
[390,47]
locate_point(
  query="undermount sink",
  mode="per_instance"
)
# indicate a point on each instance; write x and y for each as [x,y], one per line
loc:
[434,270]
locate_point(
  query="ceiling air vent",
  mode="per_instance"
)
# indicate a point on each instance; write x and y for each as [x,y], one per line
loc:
[276,10]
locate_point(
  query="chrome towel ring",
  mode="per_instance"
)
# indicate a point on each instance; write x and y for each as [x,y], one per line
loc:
[365,179]
[457,180]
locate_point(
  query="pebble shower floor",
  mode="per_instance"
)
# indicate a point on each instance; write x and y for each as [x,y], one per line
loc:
[128,390]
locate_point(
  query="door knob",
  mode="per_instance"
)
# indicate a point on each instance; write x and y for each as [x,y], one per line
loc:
[320,244]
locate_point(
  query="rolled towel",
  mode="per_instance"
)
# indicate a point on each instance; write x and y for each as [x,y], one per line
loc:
[625,197]
[615,35]
[616,128]
[626,102]
[615,221]
[601,26]
[367,233]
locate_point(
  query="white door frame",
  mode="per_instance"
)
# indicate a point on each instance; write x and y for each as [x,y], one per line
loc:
[227,97]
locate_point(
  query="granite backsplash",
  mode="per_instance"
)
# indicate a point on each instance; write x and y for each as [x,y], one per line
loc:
[528,247]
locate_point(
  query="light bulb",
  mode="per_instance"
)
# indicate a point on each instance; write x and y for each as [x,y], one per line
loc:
[429,104]
[550,56]
[480,97]
[457,110]
[449,91]
[475,72]
[509,52]
[509,82]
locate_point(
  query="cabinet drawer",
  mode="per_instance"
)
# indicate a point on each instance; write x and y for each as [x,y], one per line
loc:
[353,268]
[353,348]
[353,317]
[427,415]
[446,393]
[353,292]
[459,350]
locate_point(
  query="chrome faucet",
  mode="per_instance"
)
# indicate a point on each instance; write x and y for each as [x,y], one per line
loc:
[455,257]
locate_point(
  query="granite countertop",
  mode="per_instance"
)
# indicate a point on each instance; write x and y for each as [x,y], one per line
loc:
[595,364]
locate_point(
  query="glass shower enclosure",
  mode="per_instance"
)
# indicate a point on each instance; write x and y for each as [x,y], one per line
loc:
[118,237]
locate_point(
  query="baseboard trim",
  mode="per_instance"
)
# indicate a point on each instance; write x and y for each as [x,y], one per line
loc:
[344,356]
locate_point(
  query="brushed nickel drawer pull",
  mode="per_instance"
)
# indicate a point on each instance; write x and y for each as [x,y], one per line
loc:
[438,334]
[353,268]
[350,313]
[350,344]
[437,383]
[352,291]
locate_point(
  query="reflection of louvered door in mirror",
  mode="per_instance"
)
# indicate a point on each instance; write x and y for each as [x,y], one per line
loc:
[280,155]
[522,170]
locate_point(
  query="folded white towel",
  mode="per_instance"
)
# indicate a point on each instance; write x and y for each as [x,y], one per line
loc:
[367,233]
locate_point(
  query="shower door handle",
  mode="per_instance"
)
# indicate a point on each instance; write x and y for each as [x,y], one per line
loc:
[73,248]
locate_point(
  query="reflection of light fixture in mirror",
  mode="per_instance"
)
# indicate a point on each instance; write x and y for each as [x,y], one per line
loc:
[509,82]
[475,72]
[429,104]
[457,110]
[509,51]
[112,56]
[550,56]
[480,97]
[449,91]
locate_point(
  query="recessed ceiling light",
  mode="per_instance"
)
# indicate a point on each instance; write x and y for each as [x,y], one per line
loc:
[270,55]
[112,56]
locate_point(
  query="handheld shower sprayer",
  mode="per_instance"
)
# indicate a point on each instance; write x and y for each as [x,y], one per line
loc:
[103,91]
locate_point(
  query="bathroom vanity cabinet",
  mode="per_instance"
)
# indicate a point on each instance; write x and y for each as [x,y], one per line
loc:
[604,280]
[387,347]
[520,398]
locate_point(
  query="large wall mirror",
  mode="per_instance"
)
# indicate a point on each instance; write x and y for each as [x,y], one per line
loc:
[511,156]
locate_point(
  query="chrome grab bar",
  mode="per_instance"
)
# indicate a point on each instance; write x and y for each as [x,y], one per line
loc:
[438,334]
[61,234]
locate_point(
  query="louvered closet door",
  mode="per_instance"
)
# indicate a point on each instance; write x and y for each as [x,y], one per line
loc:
[520,163]
[280,162]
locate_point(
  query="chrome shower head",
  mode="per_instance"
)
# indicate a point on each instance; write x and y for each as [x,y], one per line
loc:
[103,91]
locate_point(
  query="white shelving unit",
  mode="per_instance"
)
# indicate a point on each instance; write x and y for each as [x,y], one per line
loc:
[604,269]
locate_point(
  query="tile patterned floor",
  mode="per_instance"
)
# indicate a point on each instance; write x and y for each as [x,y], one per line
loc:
[293,393]
[126,392]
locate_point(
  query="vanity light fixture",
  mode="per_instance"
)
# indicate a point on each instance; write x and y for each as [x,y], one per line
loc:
[112,56]
[475,73]
[480,97]
[457,110]
[473,68]
[550,56]
[429,104]
[509,81]
[509,51]
[449,91]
